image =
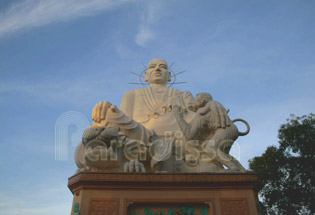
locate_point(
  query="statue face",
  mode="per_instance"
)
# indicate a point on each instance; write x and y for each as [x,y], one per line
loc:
[199,101]
[157,72]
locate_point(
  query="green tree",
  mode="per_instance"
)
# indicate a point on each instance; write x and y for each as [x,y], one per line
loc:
[287,172]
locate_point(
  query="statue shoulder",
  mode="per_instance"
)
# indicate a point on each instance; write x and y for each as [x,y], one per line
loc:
[127,102]
[184,93]
[129,92]
[133,92]
[187,95]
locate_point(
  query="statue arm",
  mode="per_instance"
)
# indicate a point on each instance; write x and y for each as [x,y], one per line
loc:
[190,130]
[188,100]
[127,103]
[204,110]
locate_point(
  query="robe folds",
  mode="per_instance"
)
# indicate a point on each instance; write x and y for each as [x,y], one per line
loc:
[141,105]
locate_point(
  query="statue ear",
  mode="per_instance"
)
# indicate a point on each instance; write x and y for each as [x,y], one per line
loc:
[169,77]
[145,76]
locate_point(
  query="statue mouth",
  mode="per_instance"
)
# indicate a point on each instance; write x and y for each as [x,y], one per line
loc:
[157,74]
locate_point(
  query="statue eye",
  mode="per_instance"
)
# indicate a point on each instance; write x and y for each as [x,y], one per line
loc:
[163,66]
[151,66]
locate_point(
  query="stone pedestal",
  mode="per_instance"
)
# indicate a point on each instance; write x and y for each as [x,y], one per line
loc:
[105,193]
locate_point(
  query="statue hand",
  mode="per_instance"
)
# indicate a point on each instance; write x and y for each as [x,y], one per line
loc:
[134,166]
[99,111]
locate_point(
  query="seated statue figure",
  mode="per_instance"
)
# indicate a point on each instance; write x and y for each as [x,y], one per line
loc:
[143,134]
[214,131]
[145,114]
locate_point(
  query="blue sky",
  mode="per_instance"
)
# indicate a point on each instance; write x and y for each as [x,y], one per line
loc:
[255,57]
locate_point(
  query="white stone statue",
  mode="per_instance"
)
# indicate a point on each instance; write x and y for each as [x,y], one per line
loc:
[146,132]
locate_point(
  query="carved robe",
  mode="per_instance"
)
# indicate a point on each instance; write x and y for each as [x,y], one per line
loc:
[142,106]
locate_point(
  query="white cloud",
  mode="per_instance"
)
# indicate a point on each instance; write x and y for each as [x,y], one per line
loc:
[149,17]
[67,91]
[144,35]
[33,13]
[4,88]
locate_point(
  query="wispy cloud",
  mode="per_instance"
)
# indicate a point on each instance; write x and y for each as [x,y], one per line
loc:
[144,35]
[67,91]
[34,13]
[149,17]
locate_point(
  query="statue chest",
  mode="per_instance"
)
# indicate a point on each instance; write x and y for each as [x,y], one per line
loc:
[154,111]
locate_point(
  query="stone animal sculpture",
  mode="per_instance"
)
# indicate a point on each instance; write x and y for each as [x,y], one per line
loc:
[97,145]
[213,128]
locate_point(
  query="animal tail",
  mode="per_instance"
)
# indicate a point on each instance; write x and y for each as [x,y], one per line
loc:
[247,126]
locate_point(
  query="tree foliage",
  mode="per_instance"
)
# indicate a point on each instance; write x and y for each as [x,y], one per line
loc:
[288,171]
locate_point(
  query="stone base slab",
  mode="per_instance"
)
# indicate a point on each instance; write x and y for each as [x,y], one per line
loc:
[105,193]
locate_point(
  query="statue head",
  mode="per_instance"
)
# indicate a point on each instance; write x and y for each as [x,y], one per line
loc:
[157,72]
